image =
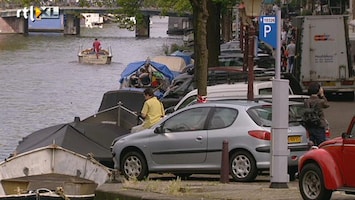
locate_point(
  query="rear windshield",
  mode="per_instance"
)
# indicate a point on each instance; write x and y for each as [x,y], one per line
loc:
[262,115]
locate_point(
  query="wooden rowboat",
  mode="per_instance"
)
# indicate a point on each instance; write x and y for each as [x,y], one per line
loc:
[88,56]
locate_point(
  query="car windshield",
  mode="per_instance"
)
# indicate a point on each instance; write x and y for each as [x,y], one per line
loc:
[262,115]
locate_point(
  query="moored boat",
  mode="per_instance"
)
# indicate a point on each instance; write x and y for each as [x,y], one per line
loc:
[52,171]
[88,56]
[147,74]
[84,137]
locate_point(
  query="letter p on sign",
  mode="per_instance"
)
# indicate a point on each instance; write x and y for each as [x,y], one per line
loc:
[267,30]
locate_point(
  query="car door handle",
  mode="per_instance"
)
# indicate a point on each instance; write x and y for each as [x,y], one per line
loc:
[199,138]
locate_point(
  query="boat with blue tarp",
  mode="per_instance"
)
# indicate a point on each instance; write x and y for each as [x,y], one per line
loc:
[145,74]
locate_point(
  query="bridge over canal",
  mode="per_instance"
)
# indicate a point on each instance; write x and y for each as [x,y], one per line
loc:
[70,18]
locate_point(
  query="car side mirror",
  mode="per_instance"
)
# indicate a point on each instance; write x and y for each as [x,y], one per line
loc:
[345,135]
[158,129]
[169,110]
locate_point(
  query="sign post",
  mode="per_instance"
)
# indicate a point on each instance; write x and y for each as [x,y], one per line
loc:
[270,32]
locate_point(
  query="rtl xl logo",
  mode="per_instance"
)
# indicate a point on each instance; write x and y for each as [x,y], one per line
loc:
[38,13]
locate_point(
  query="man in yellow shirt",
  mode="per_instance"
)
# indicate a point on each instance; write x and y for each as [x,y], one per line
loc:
[152,111]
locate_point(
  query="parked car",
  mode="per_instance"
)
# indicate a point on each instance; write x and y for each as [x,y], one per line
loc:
[235,45]
[190,141]
[329,168]
[262,90]
[184,83]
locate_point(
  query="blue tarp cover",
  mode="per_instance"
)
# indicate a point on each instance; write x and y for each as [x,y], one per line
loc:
[186,58]
[135,66]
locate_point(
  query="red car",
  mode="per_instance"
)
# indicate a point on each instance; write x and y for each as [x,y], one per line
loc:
[329,168]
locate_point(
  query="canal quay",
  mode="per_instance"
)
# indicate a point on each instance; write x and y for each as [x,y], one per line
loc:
[202,187]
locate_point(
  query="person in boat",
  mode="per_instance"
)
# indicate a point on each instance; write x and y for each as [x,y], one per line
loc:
[97,47]
[144,77]
[141,78]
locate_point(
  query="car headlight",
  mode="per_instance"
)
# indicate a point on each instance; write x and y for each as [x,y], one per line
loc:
[115,141]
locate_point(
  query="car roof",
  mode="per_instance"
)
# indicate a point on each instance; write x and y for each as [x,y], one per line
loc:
[239,86]
[291,97]
[256,102]
[229,103]
[233,103]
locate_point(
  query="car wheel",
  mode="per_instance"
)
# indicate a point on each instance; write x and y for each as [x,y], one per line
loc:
[311,183]
[243,166]
[134,166]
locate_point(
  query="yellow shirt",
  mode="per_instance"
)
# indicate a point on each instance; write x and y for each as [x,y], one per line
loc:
[154,111]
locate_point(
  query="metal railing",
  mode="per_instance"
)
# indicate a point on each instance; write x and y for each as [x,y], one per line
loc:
[118,115]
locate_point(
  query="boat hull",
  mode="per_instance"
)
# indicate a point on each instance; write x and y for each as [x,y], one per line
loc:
[47,196]
[87,56]
[51,167]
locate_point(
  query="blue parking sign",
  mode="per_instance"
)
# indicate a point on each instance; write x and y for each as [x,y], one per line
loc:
[268,30]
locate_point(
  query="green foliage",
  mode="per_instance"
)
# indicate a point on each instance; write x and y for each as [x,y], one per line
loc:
[130,7]
[226,4]
[84,3]
[175,47]
[306,12]
[29,2]
[172,5]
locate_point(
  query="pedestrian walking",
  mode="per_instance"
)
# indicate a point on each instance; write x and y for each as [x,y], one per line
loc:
[291,53]
[283,36]
[317,101]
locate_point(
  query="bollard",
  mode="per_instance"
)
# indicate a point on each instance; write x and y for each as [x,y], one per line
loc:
[119,109]
[225,163]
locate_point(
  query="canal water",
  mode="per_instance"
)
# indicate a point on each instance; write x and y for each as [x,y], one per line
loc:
[42,83]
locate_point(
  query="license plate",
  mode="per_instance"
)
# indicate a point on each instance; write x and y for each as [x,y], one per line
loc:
[331,83]
[294,139]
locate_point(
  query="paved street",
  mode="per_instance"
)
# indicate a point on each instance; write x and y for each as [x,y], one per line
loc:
[339,115]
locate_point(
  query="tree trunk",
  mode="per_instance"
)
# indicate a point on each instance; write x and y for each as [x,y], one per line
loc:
[213,33]
[201,54]
[227,25]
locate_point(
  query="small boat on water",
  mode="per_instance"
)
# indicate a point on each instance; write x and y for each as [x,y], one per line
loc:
[88,56]
[51,172]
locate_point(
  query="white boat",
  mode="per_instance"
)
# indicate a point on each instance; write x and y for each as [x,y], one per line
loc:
[51,171]
[93,20]
[88,56]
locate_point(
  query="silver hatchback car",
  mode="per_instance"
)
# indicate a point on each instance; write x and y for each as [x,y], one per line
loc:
[190,141]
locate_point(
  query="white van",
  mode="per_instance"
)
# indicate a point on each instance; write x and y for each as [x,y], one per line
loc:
[262,89]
